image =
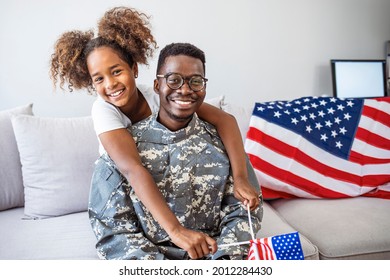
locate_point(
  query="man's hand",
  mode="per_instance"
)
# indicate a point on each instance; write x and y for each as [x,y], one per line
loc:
[246,193]
[197,244]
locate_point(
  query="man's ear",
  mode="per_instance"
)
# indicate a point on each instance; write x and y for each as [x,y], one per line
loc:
[156,86]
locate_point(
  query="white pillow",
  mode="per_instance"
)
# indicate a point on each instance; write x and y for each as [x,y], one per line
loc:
[242,115]
[57,156]
[11,184]
[216,101]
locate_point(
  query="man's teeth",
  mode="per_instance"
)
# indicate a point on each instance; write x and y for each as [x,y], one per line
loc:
[115,94]
[182,102]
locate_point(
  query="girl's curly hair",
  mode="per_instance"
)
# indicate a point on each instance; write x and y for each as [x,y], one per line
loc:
[123,29]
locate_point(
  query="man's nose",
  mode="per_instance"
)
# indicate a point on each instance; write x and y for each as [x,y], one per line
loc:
[185,88]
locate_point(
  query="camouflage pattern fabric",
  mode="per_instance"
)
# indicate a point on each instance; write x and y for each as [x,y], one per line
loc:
[192,171]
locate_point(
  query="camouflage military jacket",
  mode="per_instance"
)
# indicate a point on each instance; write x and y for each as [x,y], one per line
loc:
[192,171]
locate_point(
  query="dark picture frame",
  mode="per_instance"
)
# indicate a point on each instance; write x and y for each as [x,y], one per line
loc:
[359,78]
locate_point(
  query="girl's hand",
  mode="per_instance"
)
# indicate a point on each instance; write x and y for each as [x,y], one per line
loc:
[197,244]
[246,193]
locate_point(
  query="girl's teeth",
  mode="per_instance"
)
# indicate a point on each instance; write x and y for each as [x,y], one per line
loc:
[116,93]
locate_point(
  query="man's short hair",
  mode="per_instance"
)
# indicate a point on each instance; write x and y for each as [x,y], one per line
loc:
[175,49]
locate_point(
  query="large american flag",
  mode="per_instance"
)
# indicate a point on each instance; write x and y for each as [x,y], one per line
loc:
[278,247]
[321,147]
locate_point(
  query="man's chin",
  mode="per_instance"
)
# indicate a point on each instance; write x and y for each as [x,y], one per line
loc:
[181,115]
[181,118]
[174,121]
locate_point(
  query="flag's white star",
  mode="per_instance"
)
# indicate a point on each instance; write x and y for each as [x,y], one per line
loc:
[328,123]
[343,130]
[323,102]
[260,108]
[347,116]
[340,107]
[294,121]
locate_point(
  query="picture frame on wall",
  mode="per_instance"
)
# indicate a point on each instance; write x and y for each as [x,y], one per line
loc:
[358,78]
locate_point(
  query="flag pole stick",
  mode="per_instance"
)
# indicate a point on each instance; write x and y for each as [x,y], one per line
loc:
[257,256]
[250,222]
[234,244]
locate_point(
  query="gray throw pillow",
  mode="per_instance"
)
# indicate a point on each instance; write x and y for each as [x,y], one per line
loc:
[11,184]
[57,156]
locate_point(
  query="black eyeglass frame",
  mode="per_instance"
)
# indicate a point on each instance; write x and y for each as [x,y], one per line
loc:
[183,80]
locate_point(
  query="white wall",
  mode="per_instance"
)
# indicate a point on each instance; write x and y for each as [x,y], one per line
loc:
[256,50]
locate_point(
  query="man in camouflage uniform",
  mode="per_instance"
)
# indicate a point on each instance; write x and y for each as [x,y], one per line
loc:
[190,166]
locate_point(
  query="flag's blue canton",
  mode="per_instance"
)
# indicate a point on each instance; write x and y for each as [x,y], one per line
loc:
[327,122]
[287,247]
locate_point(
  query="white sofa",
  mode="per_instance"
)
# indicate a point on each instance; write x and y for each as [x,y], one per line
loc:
[46,165]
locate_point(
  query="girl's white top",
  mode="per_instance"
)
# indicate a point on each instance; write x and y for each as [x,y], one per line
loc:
[107,117]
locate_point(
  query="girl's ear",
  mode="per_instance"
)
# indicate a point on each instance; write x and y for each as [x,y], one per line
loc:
[135,70]
[156,86]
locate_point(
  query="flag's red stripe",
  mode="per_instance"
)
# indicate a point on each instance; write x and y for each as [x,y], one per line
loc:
[383,99]
[260,250]
[378,194]
[292,152]
[272,194]
[376,115]
[359,158]
[251,253]
[292,179]
[270,254]
[373,139]
[265,253]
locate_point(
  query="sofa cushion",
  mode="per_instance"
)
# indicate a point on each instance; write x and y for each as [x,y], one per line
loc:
[57,156]
[273,224]
[11,184]
[58,238]
[321,147]
[351,228]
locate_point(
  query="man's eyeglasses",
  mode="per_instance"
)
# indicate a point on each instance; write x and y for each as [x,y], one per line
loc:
[176,81]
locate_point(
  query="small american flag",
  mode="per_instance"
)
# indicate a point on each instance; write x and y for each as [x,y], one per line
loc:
[321,147]
[278,247]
